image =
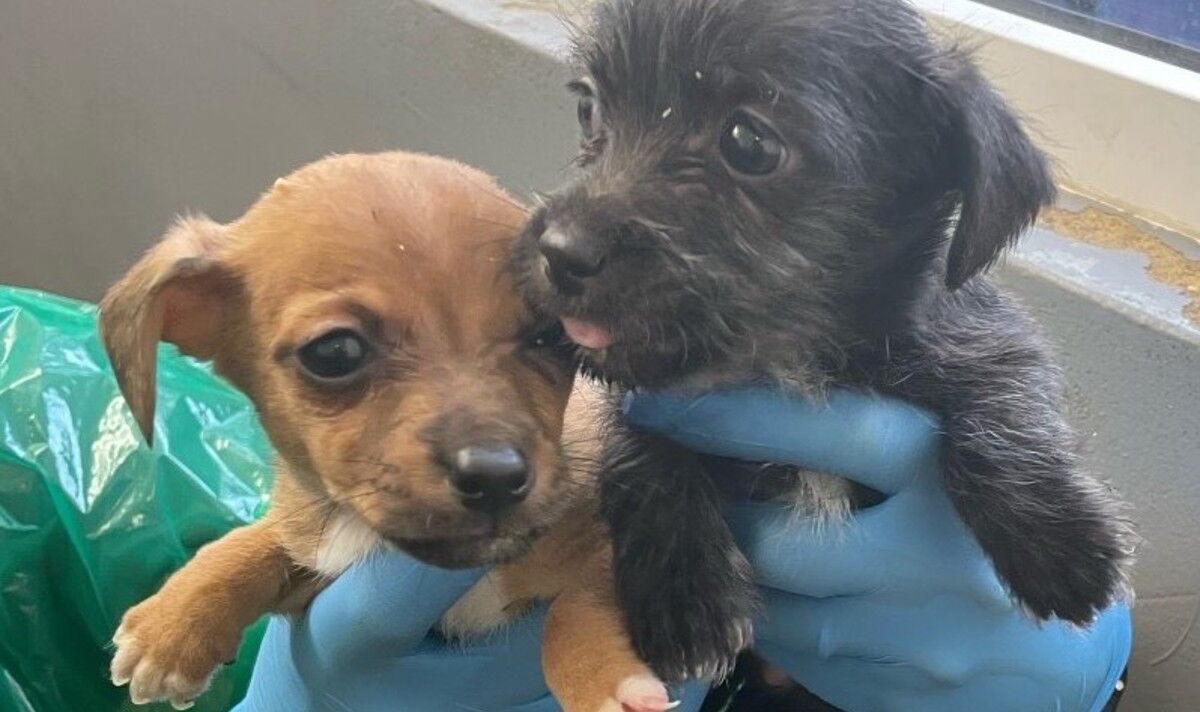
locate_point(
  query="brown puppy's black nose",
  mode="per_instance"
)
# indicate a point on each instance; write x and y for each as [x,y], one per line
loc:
[489,478]
[571,254]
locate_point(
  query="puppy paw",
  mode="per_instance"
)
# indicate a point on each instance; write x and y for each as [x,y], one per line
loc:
[686,592]
[168,652]
[1070,562]
[1059,539]
[643,693]
[689,618]
[1072,580]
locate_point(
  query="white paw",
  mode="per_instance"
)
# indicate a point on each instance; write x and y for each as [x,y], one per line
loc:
[150,678]
[643,693]
[741,637]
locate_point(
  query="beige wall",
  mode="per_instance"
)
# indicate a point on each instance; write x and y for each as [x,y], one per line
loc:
[115,115]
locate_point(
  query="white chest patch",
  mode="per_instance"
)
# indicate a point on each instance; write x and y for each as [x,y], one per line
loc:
[483,608]
[825,499]
[346,539]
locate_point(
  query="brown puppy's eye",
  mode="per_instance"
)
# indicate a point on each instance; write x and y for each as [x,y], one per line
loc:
[334,357]
[749,146]
[549,336]
[549,341]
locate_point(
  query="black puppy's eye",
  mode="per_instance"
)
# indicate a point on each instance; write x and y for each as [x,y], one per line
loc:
[749,146]
[335,356]
[586,111]
[588,108]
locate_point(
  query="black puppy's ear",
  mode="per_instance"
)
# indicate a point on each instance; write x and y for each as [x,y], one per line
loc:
[1001,176]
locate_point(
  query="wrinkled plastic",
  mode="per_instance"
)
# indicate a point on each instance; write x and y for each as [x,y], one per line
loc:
[92,520]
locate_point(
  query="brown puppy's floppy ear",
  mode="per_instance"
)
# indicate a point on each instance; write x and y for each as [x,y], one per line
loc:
[1002,177]
[177,293]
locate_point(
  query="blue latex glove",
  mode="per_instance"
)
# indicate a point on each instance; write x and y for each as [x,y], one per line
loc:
[899,609]
[364,646]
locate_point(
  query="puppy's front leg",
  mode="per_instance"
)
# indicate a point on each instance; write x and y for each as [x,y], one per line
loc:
[587,658]
[1058,538]
[686,590]
[169,645]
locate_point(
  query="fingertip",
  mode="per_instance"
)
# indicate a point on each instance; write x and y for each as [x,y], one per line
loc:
[658,411]
[796,555]
[690,695]
[1116,622]
[394,572]
[875,440]
[886,440]
[388,596]
[987,591]
[524,630]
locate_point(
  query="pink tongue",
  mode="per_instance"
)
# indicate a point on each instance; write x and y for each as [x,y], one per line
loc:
[587,334]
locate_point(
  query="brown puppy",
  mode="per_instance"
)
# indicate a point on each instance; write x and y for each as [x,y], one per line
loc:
[364,305]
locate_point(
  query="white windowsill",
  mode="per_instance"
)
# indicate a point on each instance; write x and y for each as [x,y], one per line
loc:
[1123,128]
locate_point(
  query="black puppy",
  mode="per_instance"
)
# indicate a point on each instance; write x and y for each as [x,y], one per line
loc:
[807,191]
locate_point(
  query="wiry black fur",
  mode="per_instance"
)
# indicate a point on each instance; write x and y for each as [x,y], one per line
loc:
[855,264]
[681,511]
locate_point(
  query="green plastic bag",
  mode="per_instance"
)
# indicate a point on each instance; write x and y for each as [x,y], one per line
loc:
[91,519]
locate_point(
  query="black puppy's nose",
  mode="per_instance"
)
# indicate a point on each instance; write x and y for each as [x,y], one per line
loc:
[571,253]
[489,478]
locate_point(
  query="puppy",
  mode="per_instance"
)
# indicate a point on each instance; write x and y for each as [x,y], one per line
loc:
[807,192]
[366,307]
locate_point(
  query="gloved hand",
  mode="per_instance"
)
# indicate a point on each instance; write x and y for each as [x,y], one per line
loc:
[364,646]
[899,609]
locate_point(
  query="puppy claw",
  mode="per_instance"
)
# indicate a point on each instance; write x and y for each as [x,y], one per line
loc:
[649,707]
[147,682]
[121,670]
